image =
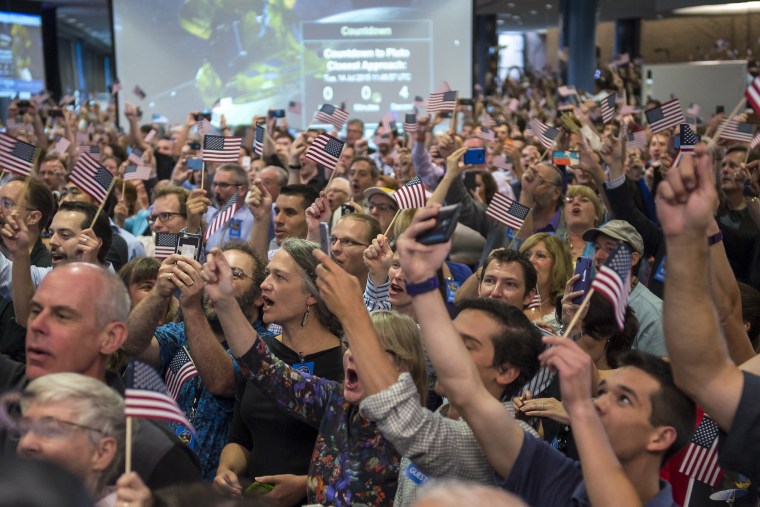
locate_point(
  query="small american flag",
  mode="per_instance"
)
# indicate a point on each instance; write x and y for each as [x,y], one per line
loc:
[16,156]
[61,145]
[410,122]
[609,106]
[623,59]
[546,134]
[688,142]
[636,140]
[701,458]
[753,94]
[442,101]
[150,135]
[116,87]
[93,151]
[419,101]
[389,121]
[443,87]
[487,121]
[411,195]
[203,127]
[180,370]
[536,301]
[333,115]
[139,92]
[613,280]
[755,141]
[486,134]
[258,140]
[325,150]
[146,398]
[737,131]
[665,116]
[221,148]
[502,162]
[166,244]
[136,172]
[222,217]
[294,107]
[507,211]
[135,156]
[92,178]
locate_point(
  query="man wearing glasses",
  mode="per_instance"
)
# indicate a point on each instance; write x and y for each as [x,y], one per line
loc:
[349,238]
[197,345]
[230,180]
[381,206]
[175,210]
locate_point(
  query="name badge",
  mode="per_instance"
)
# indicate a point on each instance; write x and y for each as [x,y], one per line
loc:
[236,227]
[452,286]
[659,275]
[306,367]
[185,436]
[415,475]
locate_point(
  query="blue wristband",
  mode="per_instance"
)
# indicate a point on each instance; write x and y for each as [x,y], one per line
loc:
[415,289]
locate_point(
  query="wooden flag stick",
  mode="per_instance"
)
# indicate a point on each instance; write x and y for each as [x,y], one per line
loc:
[391,224]
[2,174]
[203,173]
[128,448]
[123,187]
[100,208]
[578,313]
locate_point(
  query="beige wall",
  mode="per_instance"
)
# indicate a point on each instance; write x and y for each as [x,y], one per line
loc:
[688,38]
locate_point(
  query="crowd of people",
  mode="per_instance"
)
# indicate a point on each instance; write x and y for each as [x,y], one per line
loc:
[323,354]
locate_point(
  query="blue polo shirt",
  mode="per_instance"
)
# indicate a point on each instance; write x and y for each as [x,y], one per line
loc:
[543,476]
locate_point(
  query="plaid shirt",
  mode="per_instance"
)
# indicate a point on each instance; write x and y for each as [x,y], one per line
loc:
[436,445]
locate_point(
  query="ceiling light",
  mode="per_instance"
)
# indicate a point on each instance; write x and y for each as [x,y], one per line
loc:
[735,8]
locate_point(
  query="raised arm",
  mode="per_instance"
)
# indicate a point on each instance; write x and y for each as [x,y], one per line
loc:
[145,317]
[700,360]
[214,364]
[259,202]
[604,476]
[457,373]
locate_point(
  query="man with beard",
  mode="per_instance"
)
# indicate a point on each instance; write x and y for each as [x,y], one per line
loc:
[193,355]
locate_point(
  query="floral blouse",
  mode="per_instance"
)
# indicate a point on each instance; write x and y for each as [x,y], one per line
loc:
[351,462]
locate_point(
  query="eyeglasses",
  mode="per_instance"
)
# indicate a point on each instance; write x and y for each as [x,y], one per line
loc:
[238,273]
[380,207]
[163,217]
[49,427]
[348,243]
[538,255]
[224,186]
[7,203]
[541,181]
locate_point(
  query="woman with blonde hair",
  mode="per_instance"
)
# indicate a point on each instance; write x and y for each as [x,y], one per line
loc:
[554,266]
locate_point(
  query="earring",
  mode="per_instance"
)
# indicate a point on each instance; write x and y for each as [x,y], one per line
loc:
[305,318]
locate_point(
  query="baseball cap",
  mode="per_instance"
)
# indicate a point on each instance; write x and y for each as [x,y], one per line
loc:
[379,190]
[618,229]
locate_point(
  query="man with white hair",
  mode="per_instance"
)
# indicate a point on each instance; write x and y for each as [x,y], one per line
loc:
[76,422]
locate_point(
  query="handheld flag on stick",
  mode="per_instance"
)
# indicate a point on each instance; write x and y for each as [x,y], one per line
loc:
[221,148]
[222,217]
[507,211]
[16,156]
[333,115]
[411,195]
[325,150]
